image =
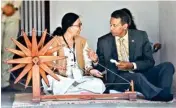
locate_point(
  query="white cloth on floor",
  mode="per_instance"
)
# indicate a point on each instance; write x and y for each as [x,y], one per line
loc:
[66,85]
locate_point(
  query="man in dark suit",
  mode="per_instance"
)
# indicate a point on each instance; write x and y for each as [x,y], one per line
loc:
[132,49]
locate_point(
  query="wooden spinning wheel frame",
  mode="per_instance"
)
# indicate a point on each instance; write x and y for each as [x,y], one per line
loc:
[37,59]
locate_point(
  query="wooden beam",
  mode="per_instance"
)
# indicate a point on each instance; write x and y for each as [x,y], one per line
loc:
[36,84]
[125,95]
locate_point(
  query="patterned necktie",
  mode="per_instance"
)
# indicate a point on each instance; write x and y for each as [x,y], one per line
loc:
[123,50]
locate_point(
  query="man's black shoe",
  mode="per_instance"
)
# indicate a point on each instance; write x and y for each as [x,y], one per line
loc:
[164,96]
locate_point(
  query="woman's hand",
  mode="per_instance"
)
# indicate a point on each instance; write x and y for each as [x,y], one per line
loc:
[92,55]
[96,73]
[62,70]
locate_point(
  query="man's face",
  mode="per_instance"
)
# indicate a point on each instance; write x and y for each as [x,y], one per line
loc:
[116,27]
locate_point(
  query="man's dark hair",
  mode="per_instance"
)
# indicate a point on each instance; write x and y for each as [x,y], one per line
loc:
[133,25]
[125,18]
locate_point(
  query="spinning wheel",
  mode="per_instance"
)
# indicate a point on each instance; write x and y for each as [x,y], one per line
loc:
[37,59]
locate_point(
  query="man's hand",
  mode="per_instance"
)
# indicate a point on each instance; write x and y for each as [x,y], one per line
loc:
[125,65]
[92,55]
[96,73]
[8,10]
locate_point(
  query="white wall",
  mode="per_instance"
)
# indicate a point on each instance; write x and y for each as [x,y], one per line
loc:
[96,15]
[167,33]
